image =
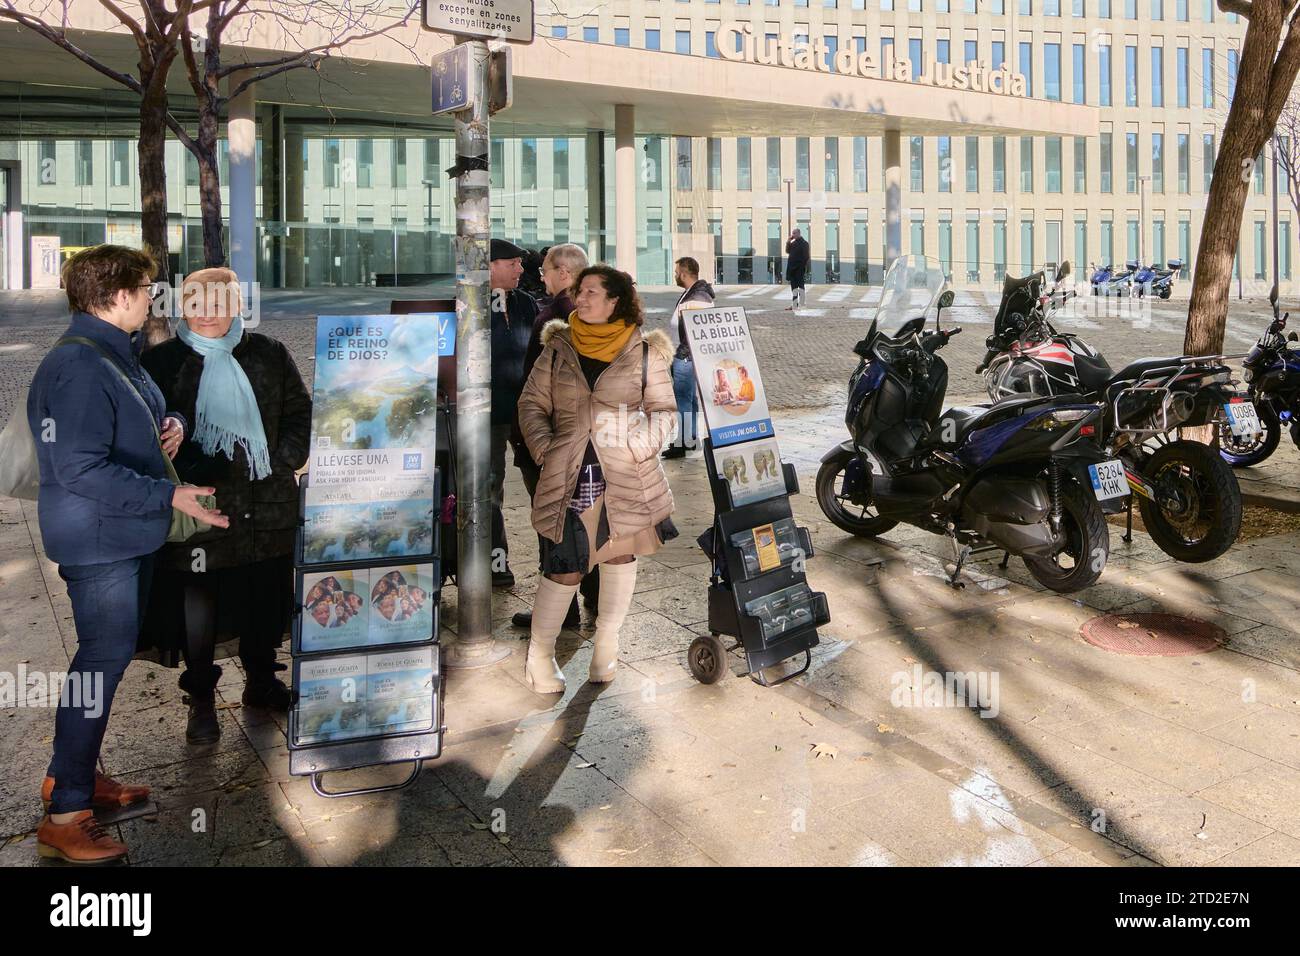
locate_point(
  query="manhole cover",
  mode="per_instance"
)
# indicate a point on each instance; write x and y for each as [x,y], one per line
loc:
[1152,635]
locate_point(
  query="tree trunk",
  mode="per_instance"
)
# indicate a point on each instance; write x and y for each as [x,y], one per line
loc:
[214,253]
[151,152]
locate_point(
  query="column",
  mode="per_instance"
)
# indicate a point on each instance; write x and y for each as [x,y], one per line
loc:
[596,238]
[893,196]
[295,243]
[241,128]
[625,188]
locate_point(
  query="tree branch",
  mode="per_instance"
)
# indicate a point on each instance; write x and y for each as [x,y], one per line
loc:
[59,39]
[1240,7]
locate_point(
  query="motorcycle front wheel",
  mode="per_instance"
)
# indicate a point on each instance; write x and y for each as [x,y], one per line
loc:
[1241,453]
[1197,512]
[1083,556]
[856,519]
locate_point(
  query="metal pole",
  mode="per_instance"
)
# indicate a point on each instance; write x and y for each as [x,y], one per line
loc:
[474,646]
[1275,296]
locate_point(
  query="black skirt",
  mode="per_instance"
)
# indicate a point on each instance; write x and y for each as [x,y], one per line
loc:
[254,602]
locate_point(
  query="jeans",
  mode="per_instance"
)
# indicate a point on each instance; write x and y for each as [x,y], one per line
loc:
[108,605]
[688,401]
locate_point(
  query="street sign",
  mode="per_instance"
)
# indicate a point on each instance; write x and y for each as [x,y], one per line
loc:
[451,85]
[500,83]
[481,19]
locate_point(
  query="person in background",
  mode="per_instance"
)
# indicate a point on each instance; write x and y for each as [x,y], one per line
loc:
[530,280]
[796,268]
[252,430]
[105,506]
[513,314]
[698,295]
[603,498]
[560,268]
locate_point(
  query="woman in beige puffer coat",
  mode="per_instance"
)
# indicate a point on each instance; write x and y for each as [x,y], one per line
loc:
[595,412]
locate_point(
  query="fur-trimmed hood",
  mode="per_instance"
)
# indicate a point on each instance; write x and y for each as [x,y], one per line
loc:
[656,338]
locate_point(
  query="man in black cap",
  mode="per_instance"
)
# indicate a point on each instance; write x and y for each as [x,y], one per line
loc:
[513,313]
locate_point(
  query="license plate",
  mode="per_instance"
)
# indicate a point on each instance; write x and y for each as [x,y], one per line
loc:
[1108,479]
[1243,419]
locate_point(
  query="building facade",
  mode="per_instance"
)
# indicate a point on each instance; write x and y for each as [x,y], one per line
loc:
[362,198]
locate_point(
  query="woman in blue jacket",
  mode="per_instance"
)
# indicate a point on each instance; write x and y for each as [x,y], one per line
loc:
[104,508]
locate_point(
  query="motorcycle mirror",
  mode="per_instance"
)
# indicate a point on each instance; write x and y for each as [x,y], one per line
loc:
[1063,271]
[1293,337]
[946,298]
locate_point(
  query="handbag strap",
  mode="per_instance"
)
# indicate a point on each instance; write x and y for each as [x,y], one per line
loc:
[117,369]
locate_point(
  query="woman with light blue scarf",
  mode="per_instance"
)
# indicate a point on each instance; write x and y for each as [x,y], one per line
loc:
[251,425]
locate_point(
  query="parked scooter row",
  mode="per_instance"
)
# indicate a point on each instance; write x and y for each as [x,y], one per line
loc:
[1136,279]
[1065,440]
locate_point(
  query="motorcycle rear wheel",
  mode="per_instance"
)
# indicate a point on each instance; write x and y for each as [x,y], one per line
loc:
[1087,545]
[1242,455]
[1209,518]
[844,514]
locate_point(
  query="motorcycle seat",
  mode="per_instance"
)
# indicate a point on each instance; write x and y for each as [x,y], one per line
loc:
[964,419]
[1094,373]
[1135,369]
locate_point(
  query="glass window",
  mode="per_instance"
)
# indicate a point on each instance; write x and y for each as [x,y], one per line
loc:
[1207,78]
[1261,247]
[1232,73]
[715,162]
[1027,67]
[1157,162]
[972,164]
[832,164]
[1207,158]
[1157,9]
[999,164]
[1078,8]
[1131,162]
[1103,9]
[917,237]
[1185,248]
[622,36]
[1080,164]
[653,174]
[915,54]
[560,162]
[1053,257]
[1052,163]
[1025,8]
[528,164]
[1158,242]
[1052,8]
[886,51]
[773,163]
[1104,167]
[969,6]
[1157,76]
[710,44]
[652,39]
[1027,248]
[1184,163]
[860,164]
[47,162]
[1080,76]
[861,258]
[333,159]
[1081,242]
[917,163]
[559,31]
[1284,251]
[999,54]
[683,161]
[972,250]
[832,252]
[1107,242]
[1180,10]
[1207,11]
[999,249]
[496,163]
[801,175]
[1132,236]
[1130,9]
[832,47]
[945,246]
[971,48]
[1103,74]
[121,162]
[1259,173]
[683,41]
[589,35]
[941,51]
[945,164]
[1180,68]
[1052,71]
[744,167]
[1130,76]
[1026,164]
[397,171]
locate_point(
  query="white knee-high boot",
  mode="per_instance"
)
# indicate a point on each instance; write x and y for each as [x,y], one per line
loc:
[617,582]
[549,608]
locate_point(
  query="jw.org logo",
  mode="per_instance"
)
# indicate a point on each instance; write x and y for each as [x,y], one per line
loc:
[413,461]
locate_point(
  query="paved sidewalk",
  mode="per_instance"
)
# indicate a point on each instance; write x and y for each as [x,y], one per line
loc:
[1092,758]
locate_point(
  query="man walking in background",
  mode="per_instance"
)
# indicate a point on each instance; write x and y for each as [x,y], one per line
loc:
[796,268]
[698,295]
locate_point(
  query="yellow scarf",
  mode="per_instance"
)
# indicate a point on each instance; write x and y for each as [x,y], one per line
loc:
[601,342]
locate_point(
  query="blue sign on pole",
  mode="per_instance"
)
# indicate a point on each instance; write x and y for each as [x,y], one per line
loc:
[451,80]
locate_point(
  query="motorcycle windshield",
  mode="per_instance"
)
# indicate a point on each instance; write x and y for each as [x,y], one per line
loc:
[911,288]
[1018,297]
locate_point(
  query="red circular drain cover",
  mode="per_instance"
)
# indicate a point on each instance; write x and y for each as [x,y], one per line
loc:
[1152,635]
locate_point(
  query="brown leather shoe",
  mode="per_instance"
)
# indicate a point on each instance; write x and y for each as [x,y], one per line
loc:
[109,794]
[82,840]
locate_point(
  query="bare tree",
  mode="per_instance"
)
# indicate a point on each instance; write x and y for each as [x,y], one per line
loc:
[306,30]
[1270,60]
[155,30]
[1287,144]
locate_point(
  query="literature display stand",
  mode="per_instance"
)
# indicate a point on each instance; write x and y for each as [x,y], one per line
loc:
[758,591]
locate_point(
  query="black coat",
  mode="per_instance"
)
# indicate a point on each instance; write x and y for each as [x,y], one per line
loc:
[797,256]
[263,514]
[511,331]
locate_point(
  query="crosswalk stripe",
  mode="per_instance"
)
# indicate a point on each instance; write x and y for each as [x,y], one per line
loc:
[836,294]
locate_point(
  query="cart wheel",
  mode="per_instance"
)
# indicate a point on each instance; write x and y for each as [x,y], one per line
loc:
[707,659]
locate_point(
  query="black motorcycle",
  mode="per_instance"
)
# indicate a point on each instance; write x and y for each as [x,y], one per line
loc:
[1272,373]
[1024,476]
[1189,497]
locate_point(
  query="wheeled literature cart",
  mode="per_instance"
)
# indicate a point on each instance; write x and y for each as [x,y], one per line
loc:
[758,592]
[371,693]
